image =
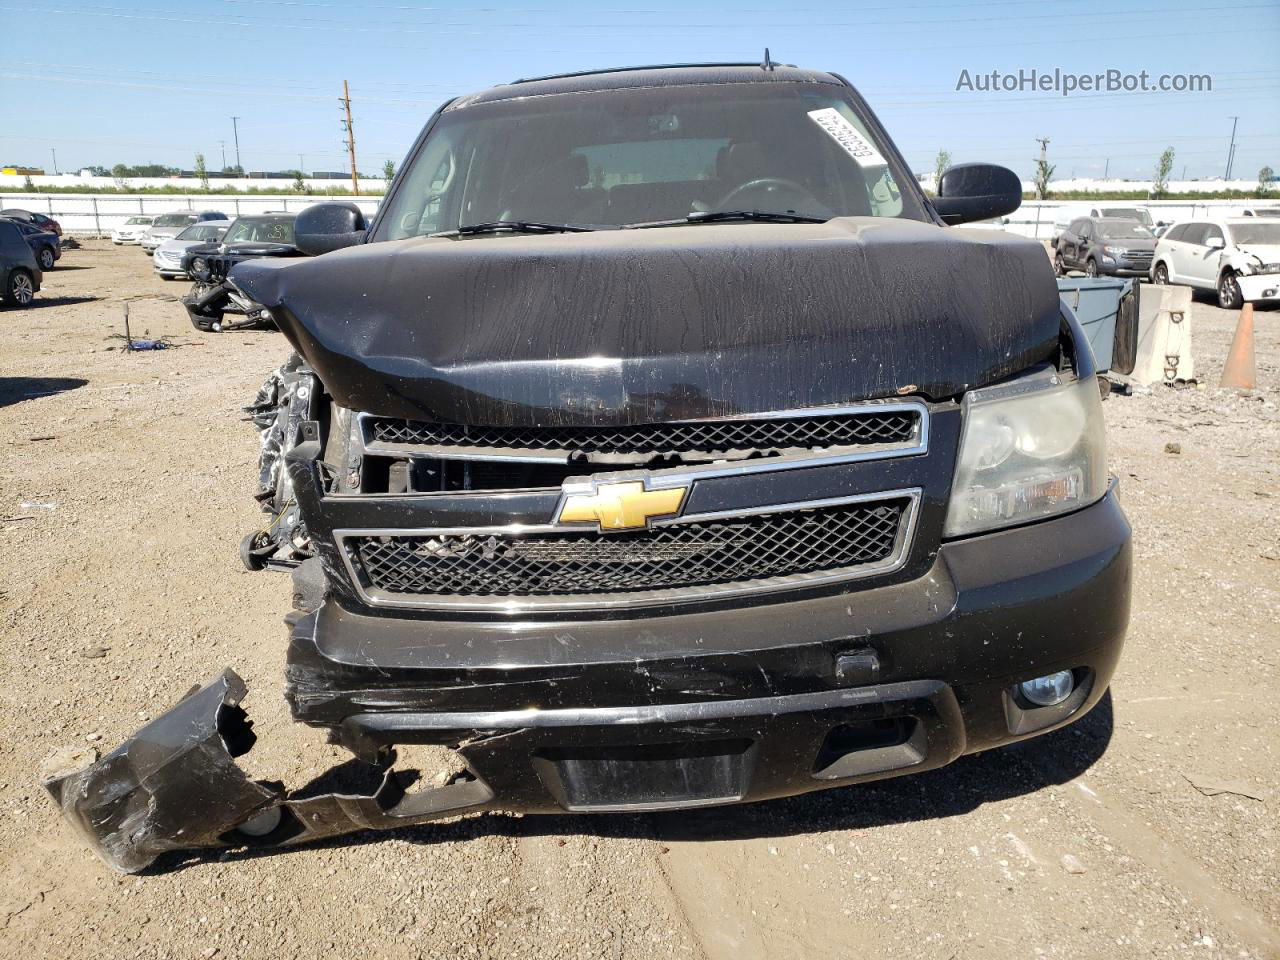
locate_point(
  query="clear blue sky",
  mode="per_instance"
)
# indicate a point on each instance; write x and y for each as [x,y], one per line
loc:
[157,80]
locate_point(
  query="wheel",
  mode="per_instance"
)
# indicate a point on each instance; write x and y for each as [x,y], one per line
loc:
[20,290]
[251,560]
[1161,274]
[167,276]
[1059,268]
[1229,295]
[46,258]
[1091,268]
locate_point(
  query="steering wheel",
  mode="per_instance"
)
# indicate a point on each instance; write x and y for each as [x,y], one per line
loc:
[767,185]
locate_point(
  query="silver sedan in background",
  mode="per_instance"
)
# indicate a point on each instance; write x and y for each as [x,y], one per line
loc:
[167,258]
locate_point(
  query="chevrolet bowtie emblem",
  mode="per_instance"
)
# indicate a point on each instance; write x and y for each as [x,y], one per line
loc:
[620,506]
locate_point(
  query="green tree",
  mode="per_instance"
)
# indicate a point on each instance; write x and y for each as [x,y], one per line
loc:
[299,184]
[389,172]
[120,173]
[202,172]
[1044,173]
[940,163]
[1265,176]
[1164,165]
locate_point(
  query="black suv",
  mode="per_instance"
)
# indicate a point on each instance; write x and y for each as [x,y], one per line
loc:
[1104,245]
[20,274]
[658,445]
[211,298]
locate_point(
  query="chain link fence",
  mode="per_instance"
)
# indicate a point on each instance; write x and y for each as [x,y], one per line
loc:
[96,215]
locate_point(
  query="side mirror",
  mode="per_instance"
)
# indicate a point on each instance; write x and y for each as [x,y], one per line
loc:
[977,191]
[325,227]
[1215,243]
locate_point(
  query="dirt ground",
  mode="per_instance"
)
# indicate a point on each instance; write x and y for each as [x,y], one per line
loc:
[1149,829]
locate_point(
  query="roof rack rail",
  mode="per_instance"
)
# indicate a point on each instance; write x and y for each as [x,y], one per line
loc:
[766,65]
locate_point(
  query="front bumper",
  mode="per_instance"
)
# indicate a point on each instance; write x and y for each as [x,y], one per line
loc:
[929,664]
[666,712]
[1259,286]
[1125,268]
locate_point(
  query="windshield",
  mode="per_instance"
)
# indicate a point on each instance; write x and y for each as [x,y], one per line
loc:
[639,155]
[1125,231]
[1267,212]
[200,231]
[138,222]
[1260,234]
[261,230]
[174,219]
[1128,213]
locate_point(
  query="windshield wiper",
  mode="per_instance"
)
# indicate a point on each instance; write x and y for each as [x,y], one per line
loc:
[513,226]
[721,216]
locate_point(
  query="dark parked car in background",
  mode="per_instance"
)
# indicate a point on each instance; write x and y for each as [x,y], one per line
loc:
[211,298]
[20,275]
[46,246]
[1104,246]
[35,219]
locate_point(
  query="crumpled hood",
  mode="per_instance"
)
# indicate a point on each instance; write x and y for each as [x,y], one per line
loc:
[1266,252]
[633,326]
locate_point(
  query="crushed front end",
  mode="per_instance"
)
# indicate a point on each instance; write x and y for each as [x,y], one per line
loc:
[796,622]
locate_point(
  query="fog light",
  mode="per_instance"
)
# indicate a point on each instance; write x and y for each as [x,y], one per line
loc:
[1050,690]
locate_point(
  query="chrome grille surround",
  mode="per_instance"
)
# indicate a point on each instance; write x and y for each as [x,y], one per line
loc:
[897,509]
[913,442]
[900,426]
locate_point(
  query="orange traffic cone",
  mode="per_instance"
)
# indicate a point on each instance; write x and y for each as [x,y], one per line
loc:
[1240,371]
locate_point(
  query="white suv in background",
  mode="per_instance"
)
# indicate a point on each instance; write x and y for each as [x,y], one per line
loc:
[1237,257]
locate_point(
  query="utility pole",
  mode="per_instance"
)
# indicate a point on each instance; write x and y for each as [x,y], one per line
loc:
[54,151]
[1044,148]
[1106,169]
[235,128]
[223,145]
[1231,151]
[351,138]
[302,163]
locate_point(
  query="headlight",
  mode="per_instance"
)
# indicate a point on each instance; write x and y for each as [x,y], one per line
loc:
[1028,449]
[1118,251]
[200,265]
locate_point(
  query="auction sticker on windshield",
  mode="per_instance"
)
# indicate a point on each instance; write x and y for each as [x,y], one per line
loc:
[847,135]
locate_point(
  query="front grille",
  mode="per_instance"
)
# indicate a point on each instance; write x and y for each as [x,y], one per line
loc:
[863,427]
[668,558]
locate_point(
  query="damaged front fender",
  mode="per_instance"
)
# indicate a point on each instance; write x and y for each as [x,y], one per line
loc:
[175,785]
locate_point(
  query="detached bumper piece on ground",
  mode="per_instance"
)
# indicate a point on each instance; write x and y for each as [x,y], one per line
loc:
[175,785]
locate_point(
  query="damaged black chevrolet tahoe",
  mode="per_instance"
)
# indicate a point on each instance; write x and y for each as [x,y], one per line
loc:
[658,445]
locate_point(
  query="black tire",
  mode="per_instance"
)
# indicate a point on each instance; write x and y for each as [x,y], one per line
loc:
[1059,265]
[19,289]
[167,276]
[1091,267]
[1229,295]
[46,258]
[1161,274]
